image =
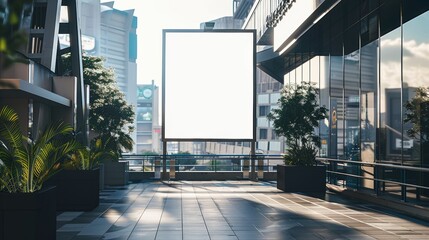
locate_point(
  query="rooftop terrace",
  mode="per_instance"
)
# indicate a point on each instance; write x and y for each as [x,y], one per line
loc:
[231,210]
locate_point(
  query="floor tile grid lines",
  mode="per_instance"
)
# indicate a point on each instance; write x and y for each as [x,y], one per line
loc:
[111,232]
[181,208]
[89,228]
[98,225]
[371,222]
[165,198]
[318,204]
[201,211]
[202,192]
[268,205]
[274,205]
[359,234]
[210,196]
[347,216]
[406,225]
[296,205]
[234,194]
[146,206]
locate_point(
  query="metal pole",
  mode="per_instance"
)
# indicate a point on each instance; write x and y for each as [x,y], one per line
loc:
[253,175]
[164,161]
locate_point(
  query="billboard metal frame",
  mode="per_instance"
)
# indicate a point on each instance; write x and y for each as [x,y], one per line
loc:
[165,31]
[165,174]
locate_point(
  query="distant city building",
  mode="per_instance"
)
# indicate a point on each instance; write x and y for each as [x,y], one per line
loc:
[111,34]
[148,130]
[118,44]
[224,23]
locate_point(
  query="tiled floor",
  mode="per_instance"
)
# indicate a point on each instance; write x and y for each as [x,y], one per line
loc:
[231,210]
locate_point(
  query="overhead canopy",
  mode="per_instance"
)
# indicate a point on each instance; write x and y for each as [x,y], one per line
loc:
[16,88]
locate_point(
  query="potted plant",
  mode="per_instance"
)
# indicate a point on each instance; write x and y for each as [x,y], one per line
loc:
[27,208]
[78,184]
[115,171]
[296,118]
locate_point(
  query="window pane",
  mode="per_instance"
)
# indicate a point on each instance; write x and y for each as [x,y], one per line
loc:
[263,133]
[416,91]
[390,97]
[324,101]
[336,108]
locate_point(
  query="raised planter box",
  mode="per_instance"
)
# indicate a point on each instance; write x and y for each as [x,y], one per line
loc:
[115,173]
[77,190]
[28,216]
[301,178]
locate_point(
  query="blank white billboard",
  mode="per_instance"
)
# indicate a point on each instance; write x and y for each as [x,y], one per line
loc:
[208,85]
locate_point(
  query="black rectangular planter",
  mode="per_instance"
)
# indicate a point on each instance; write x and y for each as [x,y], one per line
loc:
[115,173]
[301,178]
[29,216]
[77,190]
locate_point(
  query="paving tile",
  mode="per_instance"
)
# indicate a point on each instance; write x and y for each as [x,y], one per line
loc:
[140,235]
[231,210]
[66,235]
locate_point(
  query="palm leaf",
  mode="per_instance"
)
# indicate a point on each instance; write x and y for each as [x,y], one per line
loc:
[25,164]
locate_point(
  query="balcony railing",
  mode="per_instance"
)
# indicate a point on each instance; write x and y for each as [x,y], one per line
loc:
[203,163]
[379,177]
[400,180]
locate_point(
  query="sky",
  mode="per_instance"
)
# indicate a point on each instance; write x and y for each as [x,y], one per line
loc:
[155,15]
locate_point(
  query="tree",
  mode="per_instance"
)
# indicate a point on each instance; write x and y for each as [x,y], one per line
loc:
[186,159]
[418,114]
[12,36]
[295,119]
[111,117]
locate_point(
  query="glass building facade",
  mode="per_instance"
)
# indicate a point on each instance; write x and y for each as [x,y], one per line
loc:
[370,61]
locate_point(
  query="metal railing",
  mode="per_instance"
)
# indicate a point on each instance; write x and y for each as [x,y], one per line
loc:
[347,173]
[381,175]
[203,163]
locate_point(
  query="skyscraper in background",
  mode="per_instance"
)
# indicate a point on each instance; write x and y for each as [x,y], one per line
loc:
[148,130]
[118,44]
[111,34]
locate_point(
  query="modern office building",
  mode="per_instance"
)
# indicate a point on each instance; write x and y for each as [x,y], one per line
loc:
[111,34]
[147,119]
[369,61]
[34,86]
[267,90]
[118,44]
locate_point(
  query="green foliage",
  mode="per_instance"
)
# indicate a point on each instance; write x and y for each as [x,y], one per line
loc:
[25,164]
[418,114]
[185,158]
[12,36]
[149,153]
[86,158]
[295,119]
[111,118]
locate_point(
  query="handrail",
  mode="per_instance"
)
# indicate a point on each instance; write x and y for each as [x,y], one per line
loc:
[203,162]
[405,167]
[402,179]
